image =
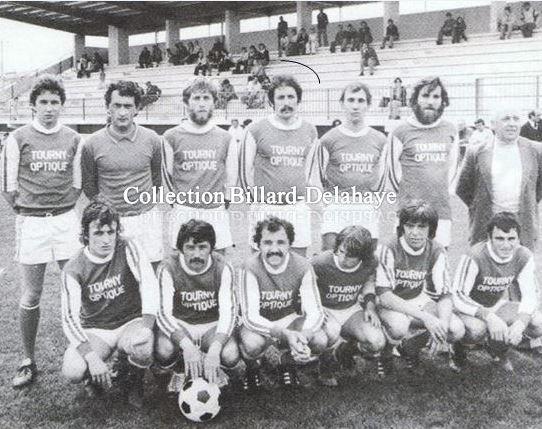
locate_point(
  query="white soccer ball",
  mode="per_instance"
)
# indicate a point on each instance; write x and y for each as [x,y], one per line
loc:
[199,400]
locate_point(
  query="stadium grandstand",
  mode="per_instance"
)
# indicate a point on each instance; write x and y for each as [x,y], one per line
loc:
[477,72]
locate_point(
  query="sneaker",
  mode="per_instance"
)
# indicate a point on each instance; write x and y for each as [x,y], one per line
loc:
[91,389]
[384,366]
[252,380]
[326,371]
[288,376]
[411,363]
[26,374]
[345,356]
[458,359]
[176,382]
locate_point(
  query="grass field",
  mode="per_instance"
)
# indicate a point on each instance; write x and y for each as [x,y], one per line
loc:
[481,397]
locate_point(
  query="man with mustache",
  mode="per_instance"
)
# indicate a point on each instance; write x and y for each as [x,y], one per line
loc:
[351,156]
[121,155]
[197,307]
[276,284]
[109,302]
[277,155]
[200,157]
[422,154]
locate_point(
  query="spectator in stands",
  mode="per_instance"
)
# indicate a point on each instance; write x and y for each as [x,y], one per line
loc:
[218,46]
[350,37]
[265,82]
[242,63]
[101,83]
[506,23]
[368,59]
[151,95]
[398,98]
[145,60]
[253,56]
[192,56]
[171,58]
[226,61]
[236,132]
[202,64]
[156,55]
[83,67]
[226,93]
[302,41]
[282,31]
[532,129]
[322,22]
[339,39]
[481,133]
[254,97]
[284,41]
[292,43]
[312,44]
[264,54]
[336,123]
[528,17]
[447,28]
[392,34]
[364,36]
[460,26]
[98,62]
[181,53]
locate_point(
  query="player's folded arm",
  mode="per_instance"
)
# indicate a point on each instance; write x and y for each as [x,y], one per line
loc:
[226,306]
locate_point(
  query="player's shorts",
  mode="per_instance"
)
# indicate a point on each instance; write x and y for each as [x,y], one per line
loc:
[197,331]
[285,321]
[218,217]
[146,229]
[342,315]
[111,336]
[298,214]
[336,217]
[420,301]
[444,231]
[39,240]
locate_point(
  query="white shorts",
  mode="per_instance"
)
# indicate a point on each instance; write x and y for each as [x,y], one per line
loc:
[286,321]
[197,331]
[111,336]
[40,240]
[298,214]
[444,231]
[341,316]
[336,217]
[218,217]
[146,229]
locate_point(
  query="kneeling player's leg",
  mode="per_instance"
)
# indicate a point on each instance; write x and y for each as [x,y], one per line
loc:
[252,345]
[534,329]
[371,339]
[165,352]
[456,328]
[319,341]
[74,366]
[475,329]
[230,354]
[137,342]
[396,325]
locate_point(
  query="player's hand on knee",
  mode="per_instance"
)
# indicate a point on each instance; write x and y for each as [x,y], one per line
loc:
[211,363]
[193,360]
[298,344]
[435,327]
[497,328]
[370,315]
[99,371]
[515,332]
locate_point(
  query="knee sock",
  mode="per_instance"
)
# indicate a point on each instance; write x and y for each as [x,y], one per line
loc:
[413,345]
[29,318]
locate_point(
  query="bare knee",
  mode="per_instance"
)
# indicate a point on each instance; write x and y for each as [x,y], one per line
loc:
[319,342]
[73,366]
[138,346]
[372,339]
[396,324]
[230,354]
[475,330]
[165,351]
[333,331]
[252,344]
[456,331]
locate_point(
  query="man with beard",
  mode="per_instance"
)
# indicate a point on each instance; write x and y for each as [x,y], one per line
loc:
[423,154]
[277,156]
[275,284]
[197,305]
[199,157]
[350,156]
[125,155]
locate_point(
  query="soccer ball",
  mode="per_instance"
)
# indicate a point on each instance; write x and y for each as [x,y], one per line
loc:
[199,401]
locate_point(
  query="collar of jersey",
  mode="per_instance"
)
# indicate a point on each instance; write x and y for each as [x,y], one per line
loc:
[409,249]
[414,122]
[40,128]
[349,133]
[117,137]
[96,259]
[495,257]
[281,126]
[279,270]
[189,271]
[345,270]
[189,126]
[500,143]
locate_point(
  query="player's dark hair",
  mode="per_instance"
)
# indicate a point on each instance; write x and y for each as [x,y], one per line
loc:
[283,80]
[357,243]
[432,83]
[531,114]
[273,224]
[479,121]
[49,83]
[125,88]
[100,210]
[505,221]
[417,211]
[200,85]
[199,231]
[356,87]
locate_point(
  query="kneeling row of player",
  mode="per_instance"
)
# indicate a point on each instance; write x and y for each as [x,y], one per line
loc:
[111,299]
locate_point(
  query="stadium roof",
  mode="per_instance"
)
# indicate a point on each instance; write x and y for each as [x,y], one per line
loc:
[93,17]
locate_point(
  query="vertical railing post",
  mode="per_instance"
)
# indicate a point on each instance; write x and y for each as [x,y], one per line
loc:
[327,104]
[477,98]
[84,110]
[537,102]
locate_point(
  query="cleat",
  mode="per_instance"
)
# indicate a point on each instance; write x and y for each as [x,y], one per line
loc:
[411,363]
[383,367]
[252,380]
[223,379]
[288,376]
[458,358]
[134,387]
[26,374]
[344,354]
[92,390]
[326,370]
[176,383]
